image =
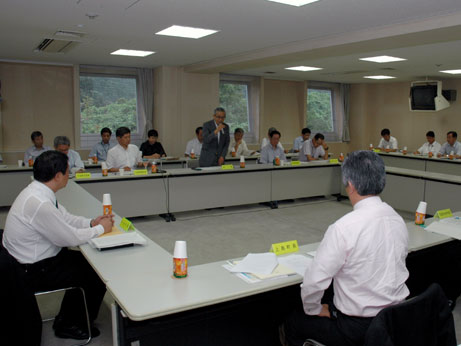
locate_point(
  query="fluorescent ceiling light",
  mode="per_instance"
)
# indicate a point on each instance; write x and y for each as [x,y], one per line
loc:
[451,71]
[186,31]
[379,77]
[382,58]
[297,3]
[130,52]
[303,68]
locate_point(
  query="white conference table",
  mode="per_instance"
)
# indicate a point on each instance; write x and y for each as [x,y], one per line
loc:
[140,278]
[13,180]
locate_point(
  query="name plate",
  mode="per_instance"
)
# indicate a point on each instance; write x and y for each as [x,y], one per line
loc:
[140,172]
[376,150]
[334,161]
[285,247]
[126,225]
[443,214]
[227,167]
[84,175]
[296,163]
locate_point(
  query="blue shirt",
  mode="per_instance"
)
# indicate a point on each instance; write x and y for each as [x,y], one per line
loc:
[75,162]
[100,150]
[268,154]
[298,143]
[447,148]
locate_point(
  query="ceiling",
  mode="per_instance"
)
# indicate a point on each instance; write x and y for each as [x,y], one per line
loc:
[255,36]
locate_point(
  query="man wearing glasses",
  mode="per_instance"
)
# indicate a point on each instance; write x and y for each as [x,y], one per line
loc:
[215,140]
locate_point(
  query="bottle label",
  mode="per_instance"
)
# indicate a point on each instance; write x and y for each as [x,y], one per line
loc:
[180,267]
[419,218]
[107,209]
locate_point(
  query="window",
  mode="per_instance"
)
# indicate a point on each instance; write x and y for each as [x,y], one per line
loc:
[237,95]
[108,100]
[324,113]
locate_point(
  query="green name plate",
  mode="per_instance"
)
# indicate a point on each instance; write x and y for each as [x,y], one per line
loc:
[126,225]
[296,163]
[140,172]
[334,161]
[227,167]
[443,214]
[84,175]
[285,247]
[376,150]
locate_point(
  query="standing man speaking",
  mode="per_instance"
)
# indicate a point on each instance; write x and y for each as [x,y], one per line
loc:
[215,140]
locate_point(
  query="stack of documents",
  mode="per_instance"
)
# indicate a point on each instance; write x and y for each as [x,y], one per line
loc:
[450,227]
[116,239]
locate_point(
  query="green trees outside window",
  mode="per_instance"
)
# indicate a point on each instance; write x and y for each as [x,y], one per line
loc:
[319,117]
[233,97]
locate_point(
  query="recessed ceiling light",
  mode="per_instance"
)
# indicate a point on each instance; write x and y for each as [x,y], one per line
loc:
[451,71]
[130,52]
[186,31]
[297,3]
[303,68]
[379,77]
[382,58]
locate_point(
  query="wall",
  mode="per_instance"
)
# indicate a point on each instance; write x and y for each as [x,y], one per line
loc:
[35,97]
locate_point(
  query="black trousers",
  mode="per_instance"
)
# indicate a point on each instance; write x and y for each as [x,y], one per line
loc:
[68,268]
[339,330]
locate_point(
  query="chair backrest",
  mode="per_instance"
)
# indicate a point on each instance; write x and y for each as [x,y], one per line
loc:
[425,320]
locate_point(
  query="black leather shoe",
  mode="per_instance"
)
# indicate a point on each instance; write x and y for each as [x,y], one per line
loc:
[75,332]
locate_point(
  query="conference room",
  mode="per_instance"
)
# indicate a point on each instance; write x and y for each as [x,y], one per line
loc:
[346,69]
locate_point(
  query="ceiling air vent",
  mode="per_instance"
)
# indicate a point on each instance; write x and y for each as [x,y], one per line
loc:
[49,45]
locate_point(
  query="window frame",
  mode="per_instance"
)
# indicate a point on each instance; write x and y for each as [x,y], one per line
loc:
[87,141]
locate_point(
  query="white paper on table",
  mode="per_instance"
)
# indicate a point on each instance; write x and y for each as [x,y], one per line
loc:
[260,263]
[312,253]
[118,240]
[446,228]
[297,263]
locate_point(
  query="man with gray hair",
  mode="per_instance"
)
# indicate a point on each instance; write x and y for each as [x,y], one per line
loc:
[215,140]
[62,144]
[364,252]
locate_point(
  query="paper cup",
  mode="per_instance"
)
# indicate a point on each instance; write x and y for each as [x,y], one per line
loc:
[242,158]
[106,200]
[121,171]
[19,163]
[180,249]
[422,207]
[103,165]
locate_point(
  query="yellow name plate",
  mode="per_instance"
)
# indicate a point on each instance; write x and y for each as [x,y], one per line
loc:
[126,225]
[227,167]
[84,175]
[376,150]
[296,163]
[285,247]
[443,214]
[334,161]
[140,172]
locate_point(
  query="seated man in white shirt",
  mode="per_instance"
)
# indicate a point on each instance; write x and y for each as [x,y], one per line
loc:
[37,233]
[298,142]
[194,146]
[363,253]
[62,144]
[314,149]
[431,146]
[267,139]
[451,146]
[38,147]
[272,150]
[238,145]
[387,142]
[123,155]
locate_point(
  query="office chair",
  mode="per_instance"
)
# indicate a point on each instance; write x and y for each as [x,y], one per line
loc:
[87,341]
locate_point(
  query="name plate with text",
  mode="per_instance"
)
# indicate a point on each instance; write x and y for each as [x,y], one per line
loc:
[334,161]
[443,214]
[285,247]
[227,167]
[140,172]
[296,163]
[126,225]
[84,175]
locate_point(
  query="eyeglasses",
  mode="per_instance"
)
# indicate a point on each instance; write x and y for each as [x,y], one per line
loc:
[220,117]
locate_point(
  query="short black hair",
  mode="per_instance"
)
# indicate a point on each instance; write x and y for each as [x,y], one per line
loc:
[35,134]
[430,134]
[453,133]
[319,136]
[219,109]
[197,130]
[385,132]
[152,133]
[48,164]
[239,130]
[106,130]
[306,130]
[275,132]
[122,131]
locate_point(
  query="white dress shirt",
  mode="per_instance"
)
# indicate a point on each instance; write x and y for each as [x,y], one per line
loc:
[268,154]
[427,147]
[266,142]
[75,162]
[309,149]
[33,152]
[242,149]
[446,148]
[364,252]
[36,229]
[193,144]
[392,143]
[119,157]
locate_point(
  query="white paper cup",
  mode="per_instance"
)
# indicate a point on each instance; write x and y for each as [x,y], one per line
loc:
[180,249]
[121,171]
[106,200]
[422,207]
[19,163]
[242,158]
[282,162]
[103,165]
